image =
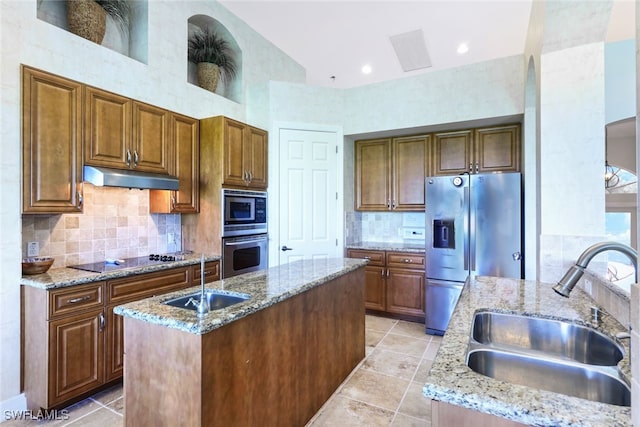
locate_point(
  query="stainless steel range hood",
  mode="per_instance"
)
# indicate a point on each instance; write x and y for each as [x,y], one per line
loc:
[106,177]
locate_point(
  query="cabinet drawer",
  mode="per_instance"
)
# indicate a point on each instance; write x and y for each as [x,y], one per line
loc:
[374,257]
[211,272]
[147,285]
[405,260]
[75,298]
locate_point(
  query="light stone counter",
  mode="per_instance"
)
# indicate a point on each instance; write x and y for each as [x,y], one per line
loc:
[63,277]
[266,288]
[388,246]
[451,381]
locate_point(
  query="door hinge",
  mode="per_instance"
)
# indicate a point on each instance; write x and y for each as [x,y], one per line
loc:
[336,149]
[336,242]
[336,195]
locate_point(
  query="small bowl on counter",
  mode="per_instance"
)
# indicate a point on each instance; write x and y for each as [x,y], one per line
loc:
[36,265]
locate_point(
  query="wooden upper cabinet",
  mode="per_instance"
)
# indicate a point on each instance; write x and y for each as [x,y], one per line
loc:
[410,157]
[107,123]
[452,152]
[245,154]
[373,175]
[498,149]
[493,149]
[122,133]
[51,143]
[390,173]
[185,139]
[151,143]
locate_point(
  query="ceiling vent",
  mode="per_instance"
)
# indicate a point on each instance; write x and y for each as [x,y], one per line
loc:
[411,50]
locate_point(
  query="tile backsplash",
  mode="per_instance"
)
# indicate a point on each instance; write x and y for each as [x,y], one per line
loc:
[392,227]
[116,223]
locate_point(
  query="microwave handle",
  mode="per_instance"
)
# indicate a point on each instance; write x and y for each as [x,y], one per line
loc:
[244,242]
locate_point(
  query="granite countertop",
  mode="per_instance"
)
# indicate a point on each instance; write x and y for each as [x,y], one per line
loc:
[266,288]
[451,381]
[388,246]
[63,277]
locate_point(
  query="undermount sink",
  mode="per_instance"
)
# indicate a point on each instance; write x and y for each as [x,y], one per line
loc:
[552,337]
[217,300]
[548,354]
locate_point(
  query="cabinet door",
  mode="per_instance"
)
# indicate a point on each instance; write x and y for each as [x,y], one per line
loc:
[234,167]
[114,361]
[107,129]
[76,355]
[51,143]
[405,292]
[374,288]
[410,158]
[151,146]
[211,273]
[452,153]
[256,157]
[498,149]
[373,175]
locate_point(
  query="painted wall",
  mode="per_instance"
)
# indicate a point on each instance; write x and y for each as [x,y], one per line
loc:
[619,77]
[161,81]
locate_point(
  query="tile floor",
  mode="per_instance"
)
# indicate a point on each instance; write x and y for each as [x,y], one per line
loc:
[385,389]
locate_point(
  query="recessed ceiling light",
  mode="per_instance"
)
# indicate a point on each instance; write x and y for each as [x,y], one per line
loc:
[366,69]
[462,48]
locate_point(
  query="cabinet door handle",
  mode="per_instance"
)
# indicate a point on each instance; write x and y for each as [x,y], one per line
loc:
[470,167]
[250,176]
[387,273]
[476,167]
[128,158]
[389,204]
[393,204]
[367,257]
[80,199]
[102,322]
[79,299]
[173,202]
[407,260]
[135,158]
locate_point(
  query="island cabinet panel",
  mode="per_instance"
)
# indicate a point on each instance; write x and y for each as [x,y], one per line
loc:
[275,367]
[444,415]
[51,143]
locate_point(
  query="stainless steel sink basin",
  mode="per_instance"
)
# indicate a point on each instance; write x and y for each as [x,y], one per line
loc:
[572,379]
[551,337]
[547,354]
[217,300]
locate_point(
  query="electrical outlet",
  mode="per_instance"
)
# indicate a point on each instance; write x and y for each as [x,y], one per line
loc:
[33,249]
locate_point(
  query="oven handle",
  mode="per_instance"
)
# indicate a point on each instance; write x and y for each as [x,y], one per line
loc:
[244,242]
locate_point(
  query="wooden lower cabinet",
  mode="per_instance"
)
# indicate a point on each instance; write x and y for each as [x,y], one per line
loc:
[446,415]
[73,343]
[394,282]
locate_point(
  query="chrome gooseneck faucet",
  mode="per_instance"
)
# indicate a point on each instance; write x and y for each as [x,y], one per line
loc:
[571,277]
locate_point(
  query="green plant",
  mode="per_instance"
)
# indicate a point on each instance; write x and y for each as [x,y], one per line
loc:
[119,11]
[206,46]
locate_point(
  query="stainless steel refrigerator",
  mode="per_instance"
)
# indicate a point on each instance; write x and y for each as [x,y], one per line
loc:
[473,227]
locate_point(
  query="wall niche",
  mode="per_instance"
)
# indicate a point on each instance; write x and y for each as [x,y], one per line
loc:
[132,42]
[230,88]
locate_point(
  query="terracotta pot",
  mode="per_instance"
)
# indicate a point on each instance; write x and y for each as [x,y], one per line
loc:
[208,76]
[87,19]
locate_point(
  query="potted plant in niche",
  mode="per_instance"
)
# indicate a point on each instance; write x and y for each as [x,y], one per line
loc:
[213,56]
[88,18]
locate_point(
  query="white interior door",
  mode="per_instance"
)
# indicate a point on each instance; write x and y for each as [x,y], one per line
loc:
[308,194]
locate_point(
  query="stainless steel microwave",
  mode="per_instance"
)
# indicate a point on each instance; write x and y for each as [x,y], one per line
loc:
[244,212]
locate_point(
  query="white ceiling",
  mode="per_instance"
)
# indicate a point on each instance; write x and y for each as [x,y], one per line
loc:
[337,38]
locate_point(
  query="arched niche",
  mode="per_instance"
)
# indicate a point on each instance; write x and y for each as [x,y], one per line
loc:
[229,89]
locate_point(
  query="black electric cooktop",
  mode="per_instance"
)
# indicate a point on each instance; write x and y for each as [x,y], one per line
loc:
[121,264]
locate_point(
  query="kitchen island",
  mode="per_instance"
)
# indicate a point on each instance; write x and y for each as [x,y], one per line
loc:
[271,360]
[457,391]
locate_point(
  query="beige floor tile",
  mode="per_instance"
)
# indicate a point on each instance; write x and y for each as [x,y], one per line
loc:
[117,405]
[345,412]
[415,404]
[372,337]
[103,417]
[423,371]
[109,395]
[402,420]
[404,344]
[432,349]
[375,388]
[391,363]
[412,329]
[381,324]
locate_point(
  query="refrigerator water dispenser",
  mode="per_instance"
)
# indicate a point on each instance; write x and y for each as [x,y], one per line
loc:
[444,234]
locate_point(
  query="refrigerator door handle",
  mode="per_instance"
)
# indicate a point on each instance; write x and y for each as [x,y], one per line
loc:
[466,218]
[472,237]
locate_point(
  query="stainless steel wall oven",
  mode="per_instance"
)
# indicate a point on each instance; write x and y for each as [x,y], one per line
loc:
[244,232]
